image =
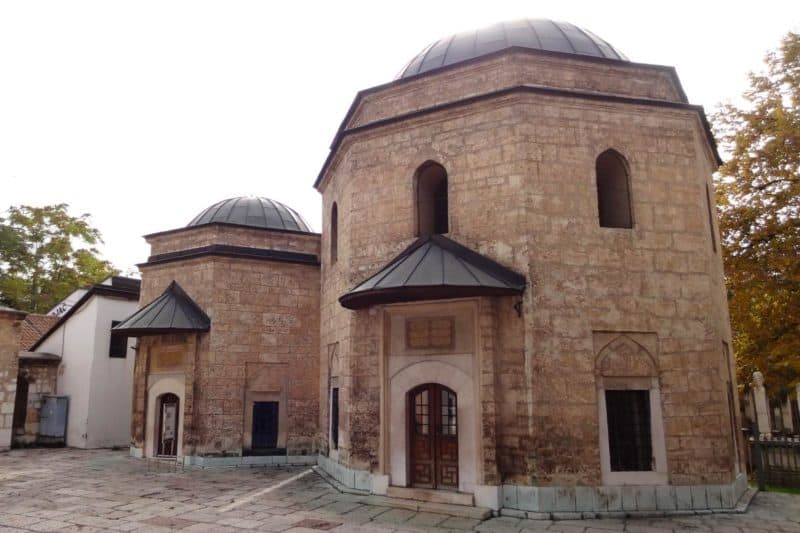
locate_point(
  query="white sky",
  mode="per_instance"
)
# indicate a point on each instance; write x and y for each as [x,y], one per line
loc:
[143,113]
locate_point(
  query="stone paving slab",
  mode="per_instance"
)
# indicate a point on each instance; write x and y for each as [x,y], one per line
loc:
[101,490]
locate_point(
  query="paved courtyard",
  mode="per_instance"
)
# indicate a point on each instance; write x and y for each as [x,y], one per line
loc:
[102,490]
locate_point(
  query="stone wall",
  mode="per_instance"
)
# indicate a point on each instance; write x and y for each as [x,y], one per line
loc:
[10,321]
[515,69]
[521,171]
[263,339]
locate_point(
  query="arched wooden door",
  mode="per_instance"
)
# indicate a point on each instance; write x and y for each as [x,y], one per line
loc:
[433,437]
[168,418]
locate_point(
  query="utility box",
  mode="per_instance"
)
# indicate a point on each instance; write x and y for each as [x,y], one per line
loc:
[53,420]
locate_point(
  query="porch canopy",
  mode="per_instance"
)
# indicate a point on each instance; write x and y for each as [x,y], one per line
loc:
[434,268]
[172,312]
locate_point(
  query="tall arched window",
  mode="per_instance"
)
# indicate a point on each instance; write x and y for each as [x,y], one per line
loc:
[613,193]
[431,199]
[334,233]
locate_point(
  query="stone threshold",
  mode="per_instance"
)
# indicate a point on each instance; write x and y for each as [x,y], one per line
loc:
[366,498]
[431,495]
[741,507]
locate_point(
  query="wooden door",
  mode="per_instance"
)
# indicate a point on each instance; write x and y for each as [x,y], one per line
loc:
[168,425]
[433,437]
[265,425]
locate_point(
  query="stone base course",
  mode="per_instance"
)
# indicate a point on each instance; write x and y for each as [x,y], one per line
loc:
[100,490]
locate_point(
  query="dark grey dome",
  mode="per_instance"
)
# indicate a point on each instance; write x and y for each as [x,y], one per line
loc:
[536,34]
[252,211]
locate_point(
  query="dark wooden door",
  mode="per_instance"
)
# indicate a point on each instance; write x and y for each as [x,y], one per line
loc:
[433,437]
[168,425]
[265,425]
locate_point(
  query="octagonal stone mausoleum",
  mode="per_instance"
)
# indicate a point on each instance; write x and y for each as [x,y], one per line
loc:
[517,299]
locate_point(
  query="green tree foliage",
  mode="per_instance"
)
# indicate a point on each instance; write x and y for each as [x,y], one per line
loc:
[759,194]
[45,254]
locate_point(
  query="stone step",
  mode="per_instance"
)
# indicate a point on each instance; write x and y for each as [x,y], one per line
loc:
[460,511]
[431,496]
[449,509]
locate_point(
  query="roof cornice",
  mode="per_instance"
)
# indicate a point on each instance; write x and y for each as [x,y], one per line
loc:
[240,252]
[508,91]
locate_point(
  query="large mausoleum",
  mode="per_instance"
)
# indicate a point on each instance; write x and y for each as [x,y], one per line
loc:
[517,299]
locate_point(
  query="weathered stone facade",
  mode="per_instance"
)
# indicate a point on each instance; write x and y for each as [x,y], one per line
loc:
[10,320]
[510,369]
[262,344]
[519,133]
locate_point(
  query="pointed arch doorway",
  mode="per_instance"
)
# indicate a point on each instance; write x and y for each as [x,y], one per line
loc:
[433,437]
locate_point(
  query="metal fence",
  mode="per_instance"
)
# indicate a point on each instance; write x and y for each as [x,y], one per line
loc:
[776,461]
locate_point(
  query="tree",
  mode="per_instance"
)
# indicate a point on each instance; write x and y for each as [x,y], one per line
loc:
[759,197]
[45,254]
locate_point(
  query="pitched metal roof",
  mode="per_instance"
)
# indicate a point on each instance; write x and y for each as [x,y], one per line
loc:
[434,268]
[534,34]
[172,312]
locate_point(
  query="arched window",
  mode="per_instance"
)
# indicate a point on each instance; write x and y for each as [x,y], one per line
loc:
[334,233]
[613,193]
[431,199]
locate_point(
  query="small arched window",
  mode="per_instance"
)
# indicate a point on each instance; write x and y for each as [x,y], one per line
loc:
[613,191]
[334,232]
[431,188]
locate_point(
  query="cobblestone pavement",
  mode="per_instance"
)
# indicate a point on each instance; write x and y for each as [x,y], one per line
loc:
[101,490]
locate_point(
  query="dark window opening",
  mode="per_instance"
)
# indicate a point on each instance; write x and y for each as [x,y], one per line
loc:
[629,439]
[118,345]
[20,406]
[613,194]
[335,418]
[432,206]
[711,219]
[334,233]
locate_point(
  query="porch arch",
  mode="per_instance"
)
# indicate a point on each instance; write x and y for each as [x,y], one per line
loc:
[455,379]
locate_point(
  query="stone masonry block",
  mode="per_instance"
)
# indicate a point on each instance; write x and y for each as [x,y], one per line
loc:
[714,496]
[565,499]
[510,497]
[547,499]
[683,497]
[608,499]
[584,499]
[665,498]
[699,500]
[646,498]
[528,498]
[629,498]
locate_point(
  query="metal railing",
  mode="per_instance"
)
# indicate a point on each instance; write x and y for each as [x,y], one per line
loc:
[776,461]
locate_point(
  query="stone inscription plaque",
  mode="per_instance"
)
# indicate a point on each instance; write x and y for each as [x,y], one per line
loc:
[430,333]
[169,359]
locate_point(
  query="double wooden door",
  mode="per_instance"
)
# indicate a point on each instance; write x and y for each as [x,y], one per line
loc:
[433,437]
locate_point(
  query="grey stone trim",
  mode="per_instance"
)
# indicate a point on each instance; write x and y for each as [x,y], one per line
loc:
[349,477]
[248,460]
[633,500]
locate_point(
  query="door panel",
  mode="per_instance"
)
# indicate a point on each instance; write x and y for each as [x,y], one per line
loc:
[265,425]
[433,437]
[168,425]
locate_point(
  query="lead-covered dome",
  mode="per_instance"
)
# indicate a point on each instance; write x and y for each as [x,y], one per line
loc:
[253,211]
[536,34]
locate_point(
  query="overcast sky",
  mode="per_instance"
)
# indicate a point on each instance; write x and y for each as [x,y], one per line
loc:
[144,113]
